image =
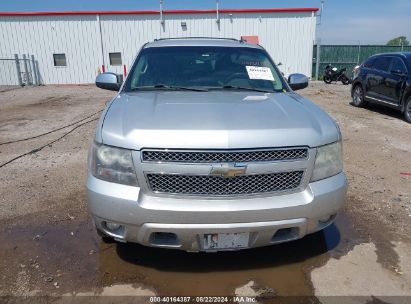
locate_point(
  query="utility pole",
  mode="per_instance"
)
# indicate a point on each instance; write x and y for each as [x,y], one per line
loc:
[321,12]
[317,64]
[161,13]
[217,4]
[318,55]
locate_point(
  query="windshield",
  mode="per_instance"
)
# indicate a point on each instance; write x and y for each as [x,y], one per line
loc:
[204,68]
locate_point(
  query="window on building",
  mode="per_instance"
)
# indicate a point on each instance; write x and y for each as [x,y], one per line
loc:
[59,59]
[115,58]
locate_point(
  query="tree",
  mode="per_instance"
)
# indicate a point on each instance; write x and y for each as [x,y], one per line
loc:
[402,40]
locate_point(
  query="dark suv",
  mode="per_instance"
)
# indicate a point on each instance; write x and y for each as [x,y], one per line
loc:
[384,79]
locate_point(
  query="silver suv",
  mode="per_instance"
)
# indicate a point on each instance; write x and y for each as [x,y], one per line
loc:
[206,147]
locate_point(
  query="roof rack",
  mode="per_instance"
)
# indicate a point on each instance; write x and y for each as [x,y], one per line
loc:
[217,38]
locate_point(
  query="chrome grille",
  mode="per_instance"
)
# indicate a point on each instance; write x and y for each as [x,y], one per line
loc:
[219,186]
[224,156]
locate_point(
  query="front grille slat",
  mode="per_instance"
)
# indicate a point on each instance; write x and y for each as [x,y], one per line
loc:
[222,186]
[225,156]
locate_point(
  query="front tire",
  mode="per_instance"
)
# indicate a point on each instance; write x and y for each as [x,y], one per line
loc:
[407,110]
[327,79]
[358,96]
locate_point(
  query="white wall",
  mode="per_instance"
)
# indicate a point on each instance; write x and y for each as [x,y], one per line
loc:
[8,74]
[41,36]
[288,37]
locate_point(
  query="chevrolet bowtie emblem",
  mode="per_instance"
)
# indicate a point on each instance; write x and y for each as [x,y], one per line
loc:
[229,170]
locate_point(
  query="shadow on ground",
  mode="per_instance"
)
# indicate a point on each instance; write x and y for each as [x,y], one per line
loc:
[73,256]
[271,256]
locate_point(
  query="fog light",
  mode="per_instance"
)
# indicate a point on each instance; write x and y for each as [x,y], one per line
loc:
[112,226]
[325,219]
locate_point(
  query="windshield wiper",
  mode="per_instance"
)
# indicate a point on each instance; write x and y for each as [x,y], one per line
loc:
[170,87]
[230,87]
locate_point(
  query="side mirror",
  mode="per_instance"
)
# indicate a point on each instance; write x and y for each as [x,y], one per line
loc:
[298,81]
[108,81]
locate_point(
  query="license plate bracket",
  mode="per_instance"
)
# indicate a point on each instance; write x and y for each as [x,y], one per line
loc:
[216,241]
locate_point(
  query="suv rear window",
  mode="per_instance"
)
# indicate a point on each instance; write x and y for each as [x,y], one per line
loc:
[382,63]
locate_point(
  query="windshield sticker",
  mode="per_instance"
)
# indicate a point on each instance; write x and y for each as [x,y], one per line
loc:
[262,73]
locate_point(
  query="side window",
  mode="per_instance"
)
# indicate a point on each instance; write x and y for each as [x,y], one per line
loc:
[382,63]
[369,63]
[398,65]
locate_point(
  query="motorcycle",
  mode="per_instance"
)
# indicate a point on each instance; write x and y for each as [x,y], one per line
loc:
[333,74]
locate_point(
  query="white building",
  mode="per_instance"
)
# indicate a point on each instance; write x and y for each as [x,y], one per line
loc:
[73,47]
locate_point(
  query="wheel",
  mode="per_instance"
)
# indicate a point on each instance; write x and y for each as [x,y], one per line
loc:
[345,80]
[327,79]
[358,96]
[407,110]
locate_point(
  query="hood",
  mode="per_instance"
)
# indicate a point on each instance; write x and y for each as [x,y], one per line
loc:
[215,120]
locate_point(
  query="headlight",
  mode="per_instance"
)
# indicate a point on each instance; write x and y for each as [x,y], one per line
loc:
[328,161]
[112,164]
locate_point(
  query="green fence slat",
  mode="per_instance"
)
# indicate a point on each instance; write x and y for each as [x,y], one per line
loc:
[347,56]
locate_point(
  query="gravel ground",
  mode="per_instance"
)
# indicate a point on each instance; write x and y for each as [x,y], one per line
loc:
[4,88]
[49,246]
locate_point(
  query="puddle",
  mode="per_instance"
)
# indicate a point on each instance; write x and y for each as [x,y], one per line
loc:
[71,254]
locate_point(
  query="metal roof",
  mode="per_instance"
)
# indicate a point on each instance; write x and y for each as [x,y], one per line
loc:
[153,12]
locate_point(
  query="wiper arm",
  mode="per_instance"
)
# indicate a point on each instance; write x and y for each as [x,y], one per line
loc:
[245,88]
[170,87]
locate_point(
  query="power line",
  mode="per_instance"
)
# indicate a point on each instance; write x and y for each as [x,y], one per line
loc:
[49,132]
[50,143]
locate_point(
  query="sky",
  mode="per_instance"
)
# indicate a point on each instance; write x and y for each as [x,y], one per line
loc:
[342,22]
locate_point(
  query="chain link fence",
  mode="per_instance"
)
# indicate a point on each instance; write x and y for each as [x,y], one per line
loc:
[19,71]
[347,56]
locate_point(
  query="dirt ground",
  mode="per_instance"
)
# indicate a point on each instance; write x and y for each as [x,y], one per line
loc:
[49,246]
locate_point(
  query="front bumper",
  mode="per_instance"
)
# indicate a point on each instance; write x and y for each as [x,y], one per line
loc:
[144,217]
